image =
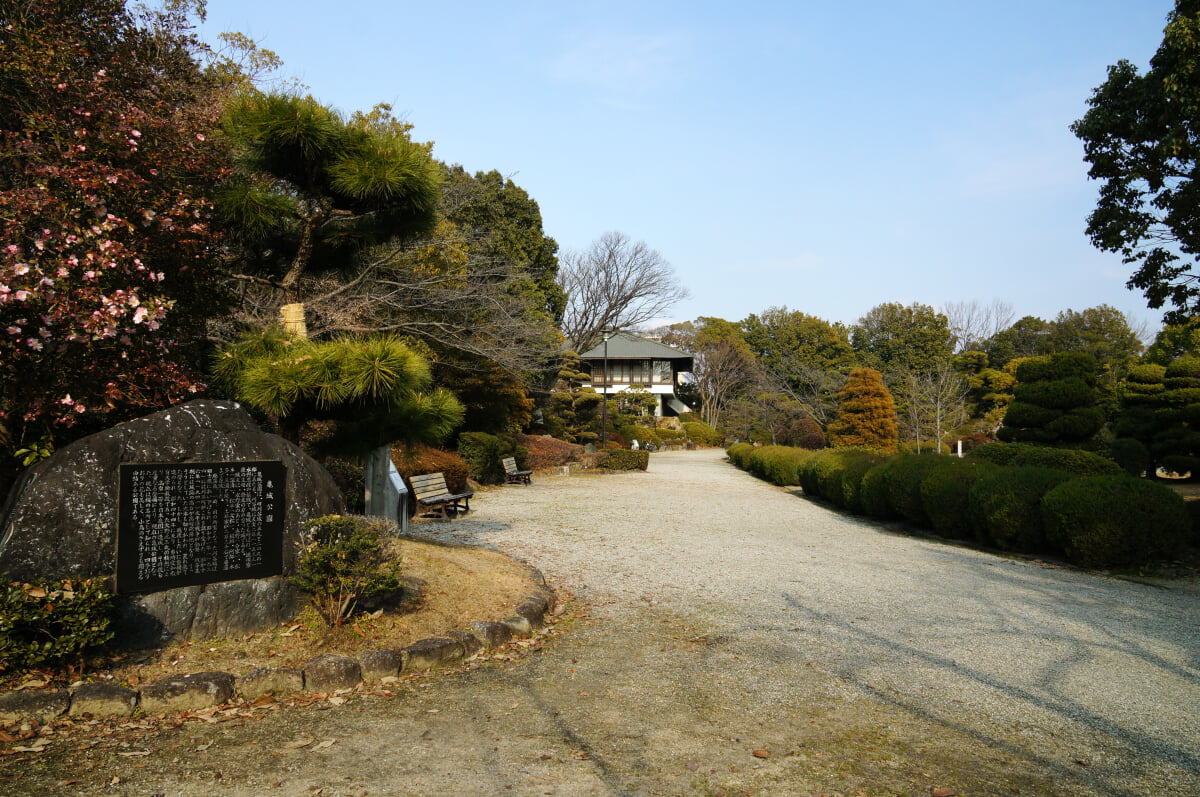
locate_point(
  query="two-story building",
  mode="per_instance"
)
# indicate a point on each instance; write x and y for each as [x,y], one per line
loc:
[634,360]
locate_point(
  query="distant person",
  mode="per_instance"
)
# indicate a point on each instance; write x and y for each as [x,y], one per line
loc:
[634,445]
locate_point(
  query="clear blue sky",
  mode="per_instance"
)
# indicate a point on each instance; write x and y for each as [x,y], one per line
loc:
[824,156]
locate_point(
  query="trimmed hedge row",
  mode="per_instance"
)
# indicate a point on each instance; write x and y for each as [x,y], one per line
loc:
[1013,496]
[622,459]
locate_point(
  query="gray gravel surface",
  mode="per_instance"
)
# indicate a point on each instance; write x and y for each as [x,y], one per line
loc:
[1076,670]
[730,637]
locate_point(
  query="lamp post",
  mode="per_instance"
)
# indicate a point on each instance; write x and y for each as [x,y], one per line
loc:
[607,333]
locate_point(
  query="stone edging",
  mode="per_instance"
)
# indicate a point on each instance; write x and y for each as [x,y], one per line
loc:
[327,672]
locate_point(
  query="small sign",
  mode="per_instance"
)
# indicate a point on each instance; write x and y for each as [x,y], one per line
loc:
[198,523]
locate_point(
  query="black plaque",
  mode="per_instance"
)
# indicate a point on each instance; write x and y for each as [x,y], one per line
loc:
[198,522]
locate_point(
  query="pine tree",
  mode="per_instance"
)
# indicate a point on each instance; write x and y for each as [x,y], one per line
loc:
[866,413]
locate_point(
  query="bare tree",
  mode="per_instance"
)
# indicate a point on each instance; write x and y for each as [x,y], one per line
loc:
[973,323]
[722,369]
[616,284]
[934,402]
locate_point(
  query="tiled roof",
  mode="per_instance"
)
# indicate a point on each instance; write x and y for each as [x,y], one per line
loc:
[624,345]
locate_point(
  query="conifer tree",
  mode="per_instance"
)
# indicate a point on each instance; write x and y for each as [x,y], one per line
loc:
[866,413]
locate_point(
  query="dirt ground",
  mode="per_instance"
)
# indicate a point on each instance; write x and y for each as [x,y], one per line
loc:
[445,588]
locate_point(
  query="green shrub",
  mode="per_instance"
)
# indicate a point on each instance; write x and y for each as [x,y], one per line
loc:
[1131,455]
[483,454]
[853,474]
[778,464]
[1073,461]
[823,473]
[739,454]
[644,436]
[904,486]
[874,494]
[52,622]
[1006,507]
[945,492]
[622,459]
[344,561]
[1116,520]
[997,453]
[703,434]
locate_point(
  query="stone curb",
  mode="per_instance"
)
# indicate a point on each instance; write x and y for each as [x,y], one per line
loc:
[324,673]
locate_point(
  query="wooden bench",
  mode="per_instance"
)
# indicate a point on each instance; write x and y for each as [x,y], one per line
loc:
[433,495]
[514,476]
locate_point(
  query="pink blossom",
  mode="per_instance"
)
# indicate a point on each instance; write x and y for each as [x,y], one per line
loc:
[67,400]
[13,248]
[199,136]
[45,333]
[140,314]
[21,296]
[20,268]
[34,344]
[80,408]
[90,275]
[62,86]
[13,330]
[135,133]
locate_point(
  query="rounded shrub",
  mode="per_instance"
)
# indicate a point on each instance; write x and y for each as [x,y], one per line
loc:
[777,464]
[853,473]
[1131,455]
[739,454]
[1005,507]
[945,492]
[1073,461]
[1116,521]
[998,453]
[816,474]
[904,486]
[874,493]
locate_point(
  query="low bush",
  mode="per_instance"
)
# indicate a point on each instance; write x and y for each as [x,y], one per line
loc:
[777,464]
[945,496]
[1073,461]
[739,454]
[416,460]
[344,561]
[1116,521]
[702,434]
[997,453]
[1006,507]
[543,451]
[483,454]
[625,460]
[823,473]
[904,486]
[854,471]
[644,436]
[52,622]
[875,489]
[1130,455]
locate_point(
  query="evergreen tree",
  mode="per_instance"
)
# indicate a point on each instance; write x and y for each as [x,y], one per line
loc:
[1176,442]
[866,413]
[1055,401]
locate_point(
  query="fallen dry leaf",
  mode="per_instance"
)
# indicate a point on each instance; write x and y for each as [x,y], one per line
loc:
[326,744]
[761,753]
[298,743]
[134,753]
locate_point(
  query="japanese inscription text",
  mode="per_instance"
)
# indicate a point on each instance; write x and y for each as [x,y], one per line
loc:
[198,522]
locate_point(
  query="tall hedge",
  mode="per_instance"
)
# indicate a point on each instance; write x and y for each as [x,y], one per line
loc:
[904,486]
[1006,507]
[945,495]
[1116,521]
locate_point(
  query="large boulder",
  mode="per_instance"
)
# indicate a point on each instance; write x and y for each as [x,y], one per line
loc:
[61,519]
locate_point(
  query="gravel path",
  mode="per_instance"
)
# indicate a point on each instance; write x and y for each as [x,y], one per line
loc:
[730,637]
[1087,676]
